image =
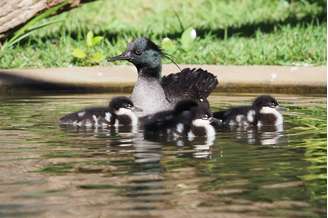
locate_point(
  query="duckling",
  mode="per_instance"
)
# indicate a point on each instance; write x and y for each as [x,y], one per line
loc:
[263,112]
[145,55]
[203,123]
[120,111]
[187,119]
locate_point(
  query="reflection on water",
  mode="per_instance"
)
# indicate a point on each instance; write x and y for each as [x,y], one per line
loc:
[52,171]
[265,135]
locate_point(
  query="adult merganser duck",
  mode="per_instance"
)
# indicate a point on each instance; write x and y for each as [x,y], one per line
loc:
[263,112]
[153,93]
[120,111]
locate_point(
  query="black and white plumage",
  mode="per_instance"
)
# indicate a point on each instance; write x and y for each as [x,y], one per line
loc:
[196,84]
[153,93]
[187,119]
[263,112]
[120,111]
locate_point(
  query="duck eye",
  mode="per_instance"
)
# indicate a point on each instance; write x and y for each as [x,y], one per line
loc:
[138,52]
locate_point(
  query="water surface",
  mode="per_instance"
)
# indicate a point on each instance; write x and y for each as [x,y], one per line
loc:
[48,171]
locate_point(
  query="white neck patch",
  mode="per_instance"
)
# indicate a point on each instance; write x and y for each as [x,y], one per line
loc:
[277,114]
[210,131]
[129,113]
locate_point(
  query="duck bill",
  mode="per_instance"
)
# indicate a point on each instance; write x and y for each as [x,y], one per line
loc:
[124,56]
[281,109]
[137,109]
[212,120]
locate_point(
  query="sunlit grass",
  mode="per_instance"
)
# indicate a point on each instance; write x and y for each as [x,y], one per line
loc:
[311,125]
[228,32]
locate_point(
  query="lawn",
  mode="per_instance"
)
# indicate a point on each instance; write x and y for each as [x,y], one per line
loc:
[271,32]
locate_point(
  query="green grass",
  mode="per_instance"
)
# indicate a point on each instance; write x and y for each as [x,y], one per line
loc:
[310,125]
[228,32]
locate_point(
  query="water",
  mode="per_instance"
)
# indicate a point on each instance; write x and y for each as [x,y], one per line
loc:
[48,171]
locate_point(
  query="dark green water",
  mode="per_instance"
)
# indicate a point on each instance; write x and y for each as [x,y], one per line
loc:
[47,171]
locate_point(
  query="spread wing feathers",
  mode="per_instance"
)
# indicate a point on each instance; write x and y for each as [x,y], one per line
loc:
[194,84]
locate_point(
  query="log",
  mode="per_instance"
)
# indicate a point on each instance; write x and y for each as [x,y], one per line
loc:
[15,13]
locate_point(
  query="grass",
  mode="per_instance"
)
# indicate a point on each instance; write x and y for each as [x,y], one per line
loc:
[277,32]
[310,125]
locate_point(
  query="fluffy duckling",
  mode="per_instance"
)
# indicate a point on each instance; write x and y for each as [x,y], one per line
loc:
[188,118]
[120,111]
[263,112]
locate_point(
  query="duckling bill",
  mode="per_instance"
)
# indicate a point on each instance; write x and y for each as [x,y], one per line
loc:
[152,92]
[263,112]
[120,111]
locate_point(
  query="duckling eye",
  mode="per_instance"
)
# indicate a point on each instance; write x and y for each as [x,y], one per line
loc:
[138,52]
[128,106]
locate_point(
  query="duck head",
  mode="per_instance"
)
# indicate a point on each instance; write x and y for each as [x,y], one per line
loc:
[202,115]
[265,101]
[189,111]
[122,106]
[145,55]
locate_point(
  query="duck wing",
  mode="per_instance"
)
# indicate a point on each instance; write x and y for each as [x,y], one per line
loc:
[196,84]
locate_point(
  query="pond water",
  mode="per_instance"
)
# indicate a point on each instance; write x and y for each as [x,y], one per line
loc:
[48,171]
